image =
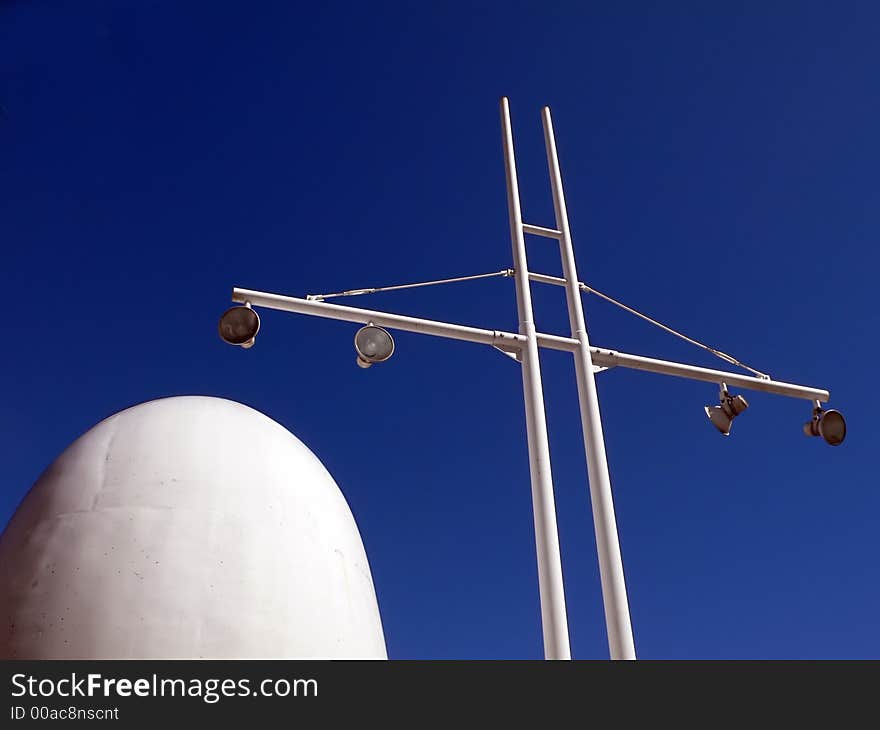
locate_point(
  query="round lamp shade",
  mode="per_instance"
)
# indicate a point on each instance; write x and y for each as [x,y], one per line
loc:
[186,527]
[373,344]
[239,326]
[832,427]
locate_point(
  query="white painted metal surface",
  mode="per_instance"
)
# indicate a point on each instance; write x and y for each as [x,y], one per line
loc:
[182,528]
[524,348]
[617,619]
[612,358]
[515,342]
[553,617]
[382,319]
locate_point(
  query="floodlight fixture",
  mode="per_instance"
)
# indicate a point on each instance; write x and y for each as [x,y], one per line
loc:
[239,326]
[829,424]
[373,344]
[729,408]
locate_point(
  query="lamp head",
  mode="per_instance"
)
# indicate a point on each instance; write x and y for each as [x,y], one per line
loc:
[373,344]
[729,408]
[830,425]
[239,326]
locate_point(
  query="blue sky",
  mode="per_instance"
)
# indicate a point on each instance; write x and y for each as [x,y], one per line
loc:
[721,174]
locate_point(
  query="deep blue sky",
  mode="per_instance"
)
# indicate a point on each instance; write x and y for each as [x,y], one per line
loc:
[721,169]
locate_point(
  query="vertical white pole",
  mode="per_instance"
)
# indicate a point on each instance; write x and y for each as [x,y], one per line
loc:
[617,620]
[553,617]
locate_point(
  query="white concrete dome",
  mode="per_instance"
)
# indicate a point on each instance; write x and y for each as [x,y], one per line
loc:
[183,528]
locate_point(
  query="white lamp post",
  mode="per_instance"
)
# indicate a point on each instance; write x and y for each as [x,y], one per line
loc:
[375,345]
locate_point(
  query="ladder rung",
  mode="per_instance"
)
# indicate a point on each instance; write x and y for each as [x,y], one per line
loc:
[541,231]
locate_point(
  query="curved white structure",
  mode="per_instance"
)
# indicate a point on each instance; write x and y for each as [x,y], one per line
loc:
[184,528]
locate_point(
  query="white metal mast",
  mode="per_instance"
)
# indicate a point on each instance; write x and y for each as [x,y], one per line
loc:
[524,346]
[554,620]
